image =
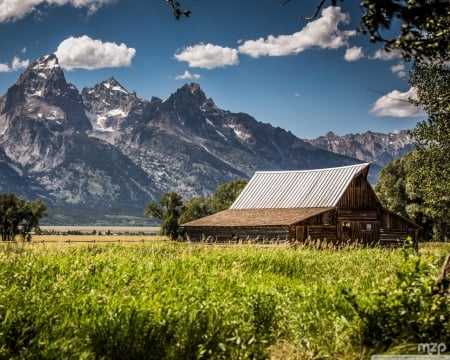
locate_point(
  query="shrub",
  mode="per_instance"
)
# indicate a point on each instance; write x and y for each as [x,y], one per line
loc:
[411,310]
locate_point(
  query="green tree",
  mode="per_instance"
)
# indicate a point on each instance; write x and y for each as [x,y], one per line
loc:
[391,186]
[196,208]
[32,212]
[168,209]
[199,206]
[432,161]
[397,192]
[19,217]
[225,195]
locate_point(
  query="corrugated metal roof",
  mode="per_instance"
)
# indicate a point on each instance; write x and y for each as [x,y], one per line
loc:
[256,217]
[320,188]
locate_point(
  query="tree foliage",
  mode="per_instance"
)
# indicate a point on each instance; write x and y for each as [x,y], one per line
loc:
[432,161]
[195,208]
[168,210]
[423,26]
[19,217]
[173,211]
[177,10]
[398,193]
[225,195]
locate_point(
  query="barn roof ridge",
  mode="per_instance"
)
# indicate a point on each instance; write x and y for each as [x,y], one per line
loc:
[362,165]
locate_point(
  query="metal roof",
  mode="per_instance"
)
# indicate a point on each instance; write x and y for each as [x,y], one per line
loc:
[320,188]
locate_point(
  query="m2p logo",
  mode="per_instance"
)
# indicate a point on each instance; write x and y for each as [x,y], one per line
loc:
[431,348]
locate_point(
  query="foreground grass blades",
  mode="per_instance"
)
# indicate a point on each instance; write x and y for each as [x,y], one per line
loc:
[173,301]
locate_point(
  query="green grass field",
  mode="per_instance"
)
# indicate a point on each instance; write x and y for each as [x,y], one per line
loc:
[163,300]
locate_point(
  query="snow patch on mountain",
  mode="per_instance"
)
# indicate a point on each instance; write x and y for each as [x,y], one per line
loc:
[98,122]
[209,122]
[241,134]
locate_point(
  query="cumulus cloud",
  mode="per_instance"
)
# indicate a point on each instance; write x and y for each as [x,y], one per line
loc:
[399,70]
[322,33]
[13,10]
[208,56]
[86,53]
[16,64]
[4,68]
[187,75]
[396,104]
[382,54]
[354,53]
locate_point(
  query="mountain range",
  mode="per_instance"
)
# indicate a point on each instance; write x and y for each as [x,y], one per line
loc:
[106,151]
[375,148]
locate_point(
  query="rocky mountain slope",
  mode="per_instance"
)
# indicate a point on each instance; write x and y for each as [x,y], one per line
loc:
[376,148]
[106,150]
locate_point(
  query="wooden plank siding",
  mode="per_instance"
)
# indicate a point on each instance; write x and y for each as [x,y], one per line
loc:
[226,234]
[359,195]
[322,232]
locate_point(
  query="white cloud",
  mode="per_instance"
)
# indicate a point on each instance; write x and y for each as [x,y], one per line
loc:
[354,53]
[13,10]
[396,104]
[16,64]
[4,68]
[399,70]
[187,76]
[208,56]
[382,54]
[322,33]
[86,53]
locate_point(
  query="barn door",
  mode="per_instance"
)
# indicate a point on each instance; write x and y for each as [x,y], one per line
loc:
[346,232]
[300,233]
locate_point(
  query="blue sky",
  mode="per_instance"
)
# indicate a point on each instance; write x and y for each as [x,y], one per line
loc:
[257,57]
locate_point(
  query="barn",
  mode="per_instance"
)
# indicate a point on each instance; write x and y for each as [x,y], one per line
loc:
[336,204]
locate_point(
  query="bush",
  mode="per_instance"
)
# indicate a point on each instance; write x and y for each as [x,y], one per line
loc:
[411,310]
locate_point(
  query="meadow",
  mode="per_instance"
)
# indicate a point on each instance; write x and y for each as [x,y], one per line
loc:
[165,300]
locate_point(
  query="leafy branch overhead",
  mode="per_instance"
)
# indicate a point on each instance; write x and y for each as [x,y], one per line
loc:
[176,9]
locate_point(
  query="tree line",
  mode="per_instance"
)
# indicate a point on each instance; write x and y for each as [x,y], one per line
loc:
[173,211]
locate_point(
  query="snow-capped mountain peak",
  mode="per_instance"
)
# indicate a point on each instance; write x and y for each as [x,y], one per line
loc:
[113,85]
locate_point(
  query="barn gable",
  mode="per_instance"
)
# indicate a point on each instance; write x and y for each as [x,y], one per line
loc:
[337,204]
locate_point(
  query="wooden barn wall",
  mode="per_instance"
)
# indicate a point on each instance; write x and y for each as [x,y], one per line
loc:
[394,229]
[392,221]
[366,232]
[322,226]
[225,234]
[359,194]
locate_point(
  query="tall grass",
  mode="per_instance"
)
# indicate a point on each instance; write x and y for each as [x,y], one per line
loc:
[175,301]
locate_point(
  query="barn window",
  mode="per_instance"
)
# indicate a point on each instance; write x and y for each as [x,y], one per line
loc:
[326,218]
[366,227]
